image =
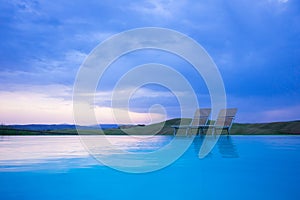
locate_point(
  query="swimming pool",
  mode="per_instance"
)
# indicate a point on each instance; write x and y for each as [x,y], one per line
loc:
[238,167]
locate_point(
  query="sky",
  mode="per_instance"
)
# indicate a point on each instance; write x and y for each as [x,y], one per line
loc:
[255,45]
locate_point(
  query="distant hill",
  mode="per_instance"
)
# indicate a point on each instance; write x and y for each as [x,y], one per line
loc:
[51,127]
[162,128]
[42,127]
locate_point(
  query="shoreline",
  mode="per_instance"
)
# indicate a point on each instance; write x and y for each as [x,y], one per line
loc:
[163,128]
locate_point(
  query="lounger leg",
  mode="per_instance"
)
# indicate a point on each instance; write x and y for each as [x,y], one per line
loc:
[199,132]
[174,133]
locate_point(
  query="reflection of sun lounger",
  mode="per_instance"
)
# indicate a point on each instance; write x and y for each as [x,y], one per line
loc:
[225,119]
[198,122]
[227,148]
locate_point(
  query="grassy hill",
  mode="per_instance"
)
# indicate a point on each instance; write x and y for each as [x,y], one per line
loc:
[292,127]
[164,128]
[275,128]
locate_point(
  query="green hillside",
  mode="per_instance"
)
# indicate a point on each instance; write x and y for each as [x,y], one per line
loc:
[292,127]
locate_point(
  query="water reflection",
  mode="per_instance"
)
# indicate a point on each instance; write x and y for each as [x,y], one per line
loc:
[198,141]
[227,148]
[225,145]
[57,152]
[23,153]
[137,154]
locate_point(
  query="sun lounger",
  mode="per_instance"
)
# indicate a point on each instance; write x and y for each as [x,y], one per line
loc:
[224,120]
[198,122]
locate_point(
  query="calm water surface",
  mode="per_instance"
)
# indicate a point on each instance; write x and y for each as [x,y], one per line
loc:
[239,167]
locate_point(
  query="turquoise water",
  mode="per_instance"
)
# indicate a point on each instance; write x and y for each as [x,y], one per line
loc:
[238,167]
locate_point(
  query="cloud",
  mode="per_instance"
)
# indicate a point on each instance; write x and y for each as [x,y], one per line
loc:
[26,6]
[166,9]
[155,8]
[257,109]
[254,43]
[123,116]
[94,37]
[283,1]
[52,104]
[263,114]
[42,71]
[134,93]
[286,113]
[141,100]
[30,107]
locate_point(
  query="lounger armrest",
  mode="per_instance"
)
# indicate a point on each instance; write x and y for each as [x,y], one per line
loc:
[221,126]
[198,126]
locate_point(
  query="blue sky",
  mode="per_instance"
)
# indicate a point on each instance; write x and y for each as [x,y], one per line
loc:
[255,44]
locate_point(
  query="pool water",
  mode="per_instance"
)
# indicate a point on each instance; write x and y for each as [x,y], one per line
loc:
[238,167]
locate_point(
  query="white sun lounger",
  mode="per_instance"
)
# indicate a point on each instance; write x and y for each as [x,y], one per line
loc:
[224,120]
[198,122]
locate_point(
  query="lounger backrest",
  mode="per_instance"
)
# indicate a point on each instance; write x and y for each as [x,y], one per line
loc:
[226,117]
[201,116]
